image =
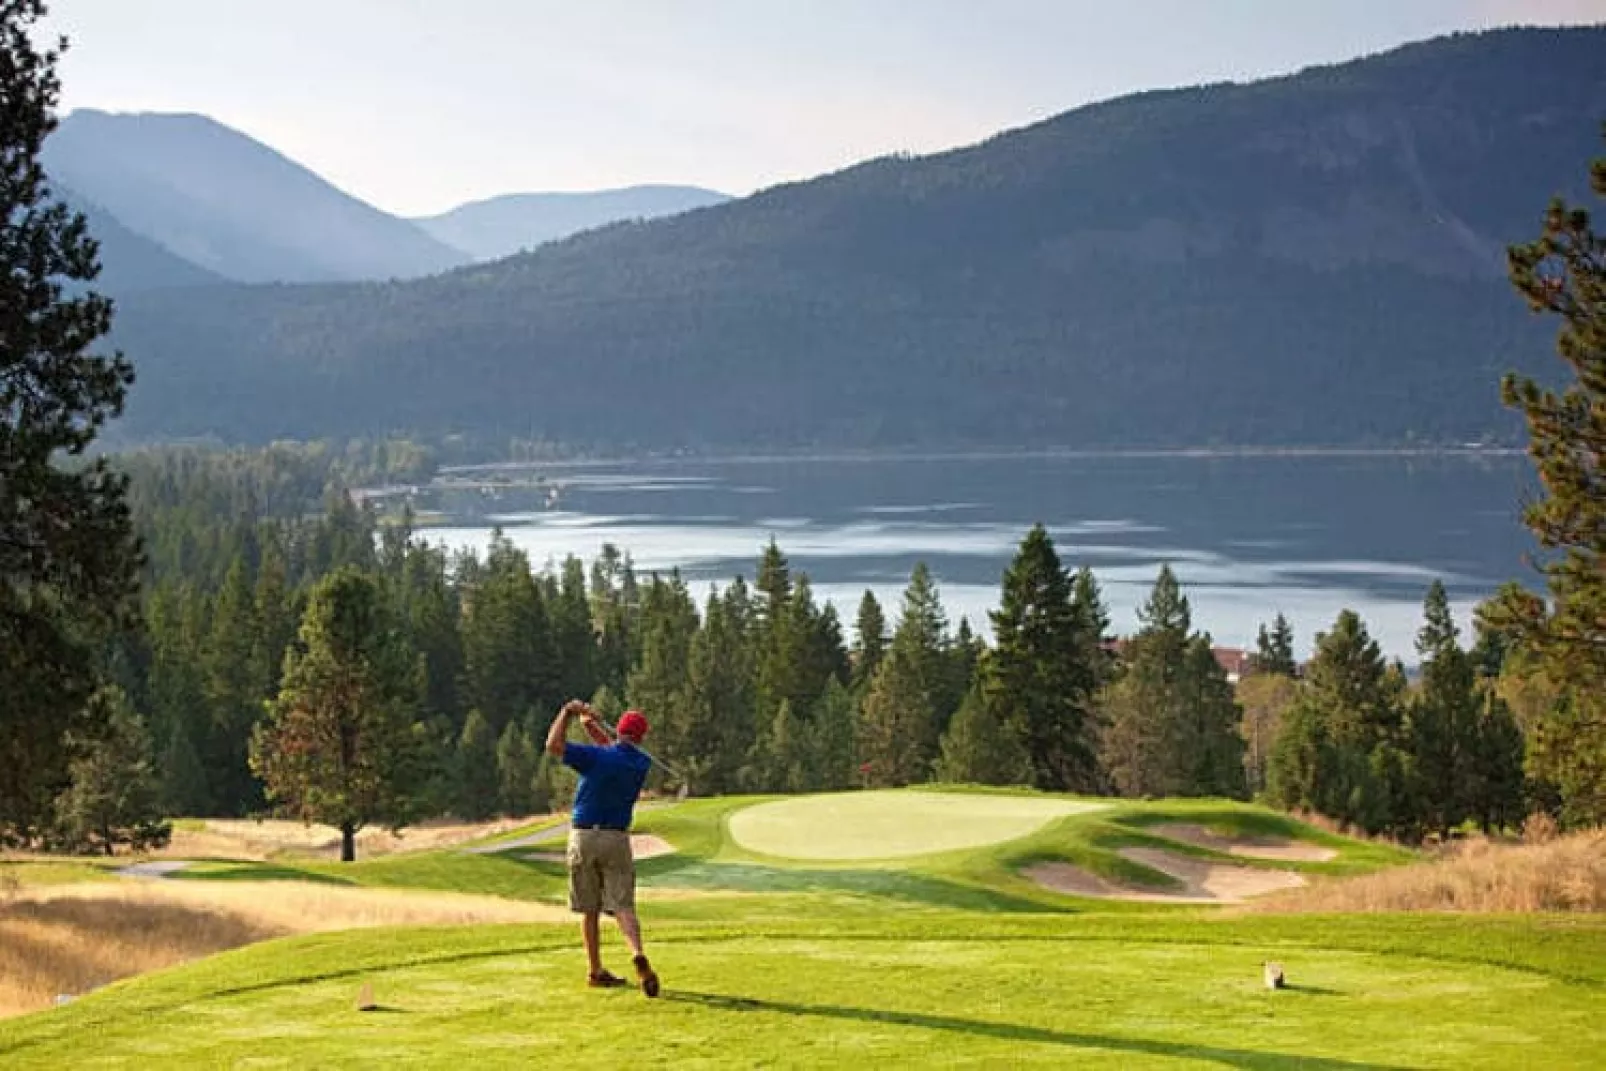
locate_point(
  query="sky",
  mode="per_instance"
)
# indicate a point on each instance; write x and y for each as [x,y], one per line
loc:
[419,105]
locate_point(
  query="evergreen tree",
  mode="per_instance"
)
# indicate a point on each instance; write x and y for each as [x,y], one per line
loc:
[1171,721]
[338,744]
[1093,621]
[509,656]
[1445,712]
[720,726]
[870,647]
[926,650]
[1498,795]
[1563,643]
[1265,699]
[1339,751]
[68,558]
[980,747]
[234,693]
[572,634]
[478,776]
[832,742]
[786,760]
[517,764]
[895,721]
[1274,650]
[668,624]
[113,797]
[1041,678]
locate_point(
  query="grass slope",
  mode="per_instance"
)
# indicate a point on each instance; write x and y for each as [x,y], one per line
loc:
[945,959]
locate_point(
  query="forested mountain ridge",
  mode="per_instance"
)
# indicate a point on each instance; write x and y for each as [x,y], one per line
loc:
[1314,259]
[501,226]
[224,201]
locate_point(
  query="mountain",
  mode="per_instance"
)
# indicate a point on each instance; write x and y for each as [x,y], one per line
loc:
[502,226]
[1314,259]
[230,204]
[131,261]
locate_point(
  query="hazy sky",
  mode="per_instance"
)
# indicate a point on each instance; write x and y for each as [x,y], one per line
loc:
[417,105]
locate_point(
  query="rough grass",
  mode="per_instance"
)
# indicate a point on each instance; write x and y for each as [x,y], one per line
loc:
[248,839]
[1568,874]
[69,940]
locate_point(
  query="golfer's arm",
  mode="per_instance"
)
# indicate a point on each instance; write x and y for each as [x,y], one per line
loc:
[558,734]
[598,735]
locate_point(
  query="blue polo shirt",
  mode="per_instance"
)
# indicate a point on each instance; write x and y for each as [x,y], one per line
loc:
[610,780]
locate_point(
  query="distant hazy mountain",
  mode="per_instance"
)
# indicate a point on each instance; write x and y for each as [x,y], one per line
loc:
[130,261]
[230,204]
[502,226]
[1314,259]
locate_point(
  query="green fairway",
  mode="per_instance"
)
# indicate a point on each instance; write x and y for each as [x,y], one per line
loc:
[932,950]
[892,825]
[1090,992]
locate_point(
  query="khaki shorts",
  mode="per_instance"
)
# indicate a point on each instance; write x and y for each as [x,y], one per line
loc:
[602,871]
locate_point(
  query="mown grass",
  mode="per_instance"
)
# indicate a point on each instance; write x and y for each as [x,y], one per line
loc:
[949,959]
[941,990]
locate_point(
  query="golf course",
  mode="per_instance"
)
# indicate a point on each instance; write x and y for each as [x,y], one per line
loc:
[918,927]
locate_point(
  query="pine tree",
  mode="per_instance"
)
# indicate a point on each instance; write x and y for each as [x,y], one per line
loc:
[477,779]
[1338,753]
[1093,620]
[234,692]
[785,759]
[509,656]
[1444,718]
[894,722]
[1171,721]
[926,650]
[832,741]
[113,797]
[68,557]
[980,747]
[338,744]
[1042,680]
[1563,642]
[1265,699]
[1274,650]
[517,763]
[870,647]
[720,726]
[1498,795]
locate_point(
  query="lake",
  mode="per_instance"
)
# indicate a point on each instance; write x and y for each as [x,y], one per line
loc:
[1248,536]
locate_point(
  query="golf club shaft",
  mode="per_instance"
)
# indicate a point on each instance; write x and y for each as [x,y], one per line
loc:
[670,770]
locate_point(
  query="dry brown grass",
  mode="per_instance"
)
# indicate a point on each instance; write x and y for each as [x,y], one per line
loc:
[247,839]
[70,939]
[1564,874]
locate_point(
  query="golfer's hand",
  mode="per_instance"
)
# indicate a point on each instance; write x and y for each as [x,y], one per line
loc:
[588,717]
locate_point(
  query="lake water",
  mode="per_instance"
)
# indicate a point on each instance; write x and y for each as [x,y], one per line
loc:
[1248,536]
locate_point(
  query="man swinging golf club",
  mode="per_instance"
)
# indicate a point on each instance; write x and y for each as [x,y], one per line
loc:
[602,870]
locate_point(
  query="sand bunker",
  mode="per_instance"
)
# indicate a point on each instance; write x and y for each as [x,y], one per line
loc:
[1273,848]
[1203,882]
[642,846]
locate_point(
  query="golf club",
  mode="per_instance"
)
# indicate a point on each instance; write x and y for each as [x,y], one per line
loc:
[685,784]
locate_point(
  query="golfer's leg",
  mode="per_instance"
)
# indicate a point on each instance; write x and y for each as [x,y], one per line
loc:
[630,927]
[592,930]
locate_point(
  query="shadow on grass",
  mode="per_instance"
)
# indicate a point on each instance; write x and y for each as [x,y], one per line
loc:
[1242,1058]
[891,884]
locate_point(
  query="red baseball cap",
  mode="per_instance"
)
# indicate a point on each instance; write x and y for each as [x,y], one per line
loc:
[633,725]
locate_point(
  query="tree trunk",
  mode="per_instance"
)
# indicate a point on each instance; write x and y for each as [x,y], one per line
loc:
[348,842]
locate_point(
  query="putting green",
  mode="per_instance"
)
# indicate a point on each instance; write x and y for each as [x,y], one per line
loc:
[890,825]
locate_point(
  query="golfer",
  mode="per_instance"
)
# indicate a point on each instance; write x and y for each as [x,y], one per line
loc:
[602,869]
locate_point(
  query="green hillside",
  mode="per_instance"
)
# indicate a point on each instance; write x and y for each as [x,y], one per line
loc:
[946,959]
[1309,259]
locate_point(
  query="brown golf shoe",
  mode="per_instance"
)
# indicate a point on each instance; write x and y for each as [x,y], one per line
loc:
[649,978]
[605,980]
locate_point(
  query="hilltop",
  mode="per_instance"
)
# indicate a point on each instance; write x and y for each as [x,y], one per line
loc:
[1315,259]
